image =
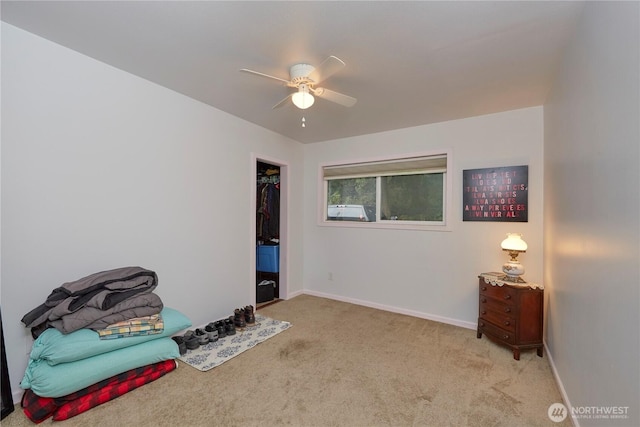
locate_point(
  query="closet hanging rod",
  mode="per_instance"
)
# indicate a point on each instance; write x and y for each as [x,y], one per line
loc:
[273,179]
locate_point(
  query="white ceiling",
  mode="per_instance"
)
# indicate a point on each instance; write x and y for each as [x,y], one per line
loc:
[407,63]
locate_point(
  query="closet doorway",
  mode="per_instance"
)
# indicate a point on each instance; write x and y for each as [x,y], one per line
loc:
[270,231]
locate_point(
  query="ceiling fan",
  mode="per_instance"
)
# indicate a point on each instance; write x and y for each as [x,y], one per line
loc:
[305,78]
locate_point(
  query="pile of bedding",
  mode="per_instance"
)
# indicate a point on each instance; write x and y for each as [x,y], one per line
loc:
[73,368]
[38,409]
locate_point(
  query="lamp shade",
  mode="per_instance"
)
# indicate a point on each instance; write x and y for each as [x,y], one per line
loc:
[514,242]
[303,99]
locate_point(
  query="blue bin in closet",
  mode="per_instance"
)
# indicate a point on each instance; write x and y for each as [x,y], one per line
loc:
[268,258]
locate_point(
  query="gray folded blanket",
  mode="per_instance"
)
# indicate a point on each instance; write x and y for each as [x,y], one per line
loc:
[108,296]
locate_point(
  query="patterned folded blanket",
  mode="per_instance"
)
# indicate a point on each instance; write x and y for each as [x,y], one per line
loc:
[147,325]
[38,409]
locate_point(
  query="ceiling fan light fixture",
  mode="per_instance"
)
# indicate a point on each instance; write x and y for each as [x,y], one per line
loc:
[306,78]
[302,98]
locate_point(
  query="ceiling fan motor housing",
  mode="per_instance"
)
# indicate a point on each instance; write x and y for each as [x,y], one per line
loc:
[300,74]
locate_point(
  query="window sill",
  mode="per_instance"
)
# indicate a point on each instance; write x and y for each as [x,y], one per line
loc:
[389,225]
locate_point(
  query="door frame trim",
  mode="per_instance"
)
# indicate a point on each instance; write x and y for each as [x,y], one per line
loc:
[284,224]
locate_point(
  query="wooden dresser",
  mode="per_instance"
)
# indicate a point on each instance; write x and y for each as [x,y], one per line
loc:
[511,313]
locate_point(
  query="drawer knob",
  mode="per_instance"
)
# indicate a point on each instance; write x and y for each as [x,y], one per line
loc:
[484,288]
[507,296]
[484,311]
[484,300]
[482,324]
[507,310]
[506,337]
[507,323]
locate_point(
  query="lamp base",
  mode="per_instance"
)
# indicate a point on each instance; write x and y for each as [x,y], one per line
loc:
[512,279]
[513,270]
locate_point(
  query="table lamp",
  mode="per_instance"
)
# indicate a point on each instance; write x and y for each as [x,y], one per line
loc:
[513,269]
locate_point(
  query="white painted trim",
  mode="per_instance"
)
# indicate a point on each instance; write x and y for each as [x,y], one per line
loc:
[392,309]
[448,201]
[285,195]
[294,294]
[17,398]
[563,392]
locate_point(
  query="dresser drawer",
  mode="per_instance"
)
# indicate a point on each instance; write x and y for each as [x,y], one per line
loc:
[489,328]
[501,293]
[510,314]
[499,315]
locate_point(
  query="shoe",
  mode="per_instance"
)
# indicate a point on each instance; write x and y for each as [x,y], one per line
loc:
[212,332]
[229,326]
[202,336]
[238,319]
[249,316]
[191,342]
[222,331]
[182,346]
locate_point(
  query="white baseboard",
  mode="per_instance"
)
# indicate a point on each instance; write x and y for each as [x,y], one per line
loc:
[414,313]
[563,392]
[294,294]
[17,398]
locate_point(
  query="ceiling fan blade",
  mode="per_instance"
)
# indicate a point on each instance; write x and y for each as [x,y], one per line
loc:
[329,67]
[264,75]
[338,98]
[281,103]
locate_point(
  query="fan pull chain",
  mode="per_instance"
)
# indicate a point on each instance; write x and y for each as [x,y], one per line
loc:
[303,122]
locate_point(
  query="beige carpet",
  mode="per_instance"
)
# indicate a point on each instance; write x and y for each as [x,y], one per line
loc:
[345,365]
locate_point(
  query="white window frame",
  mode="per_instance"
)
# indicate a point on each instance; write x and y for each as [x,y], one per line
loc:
[376,165]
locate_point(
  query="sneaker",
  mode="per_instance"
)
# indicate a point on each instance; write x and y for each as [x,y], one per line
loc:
[202,336]
[229,326]
[212,332]
[222,330]
[182,346]
[191,342]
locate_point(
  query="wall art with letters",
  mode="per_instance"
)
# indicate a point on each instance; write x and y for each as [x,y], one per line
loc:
[495,194]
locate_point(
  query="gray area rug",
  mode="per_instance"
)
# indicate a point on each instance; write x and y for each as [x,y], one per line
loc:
[216,353]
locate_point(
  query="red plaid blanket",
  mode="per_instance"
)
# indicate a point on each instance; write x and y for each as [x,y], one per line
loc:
[38,409]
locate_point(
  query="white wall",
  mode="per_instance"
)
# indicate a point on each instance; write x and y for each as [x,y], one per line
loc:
[426,273]
[592,237]
[102,169]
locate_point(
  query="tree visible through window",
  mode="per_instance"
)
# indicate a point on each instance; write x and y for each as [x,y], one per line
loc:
[412,197]
[399,191]
[354,191]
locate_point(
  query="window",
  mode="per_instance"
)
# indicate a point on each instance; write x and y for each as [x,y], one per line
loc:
[407,192]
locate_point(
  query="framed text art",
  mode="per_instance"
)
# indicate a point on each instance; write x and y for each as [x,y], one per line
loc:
[495,194]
